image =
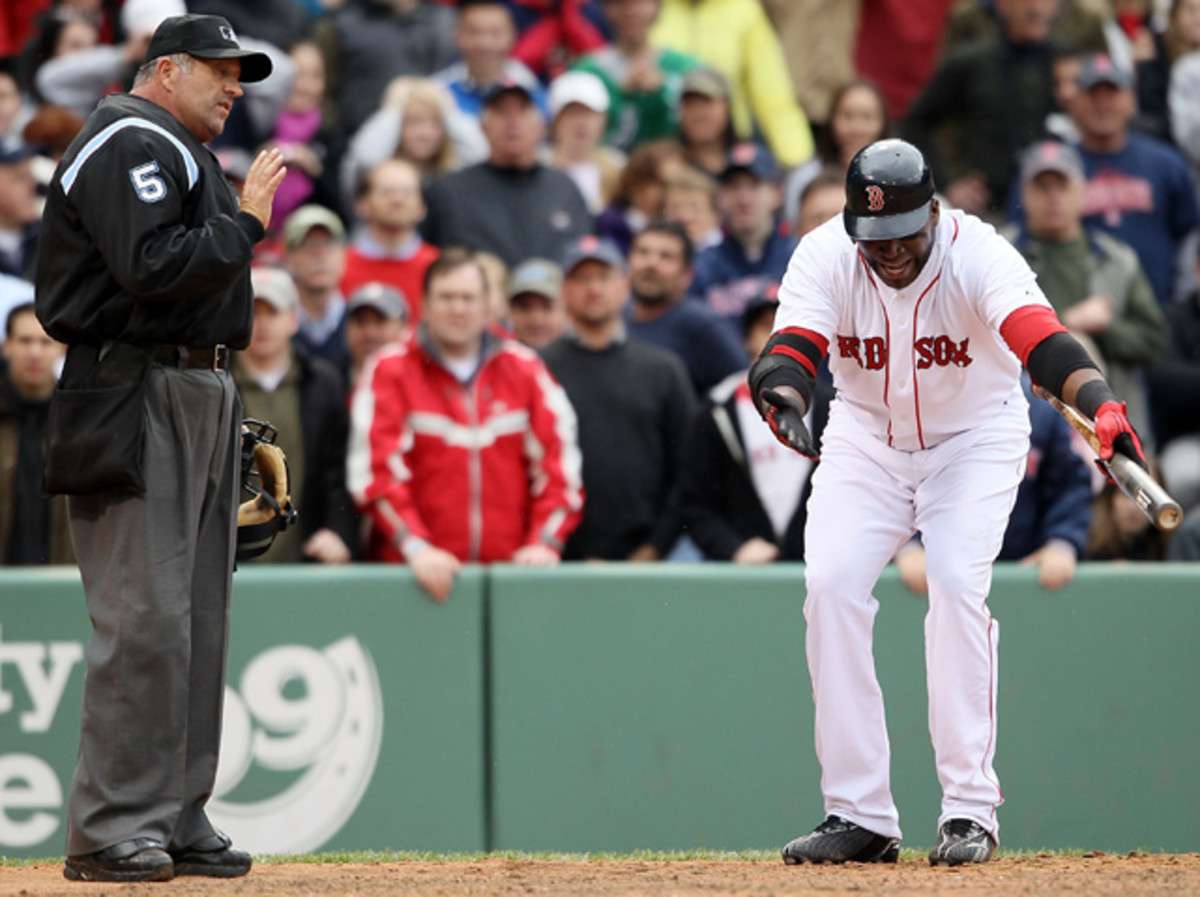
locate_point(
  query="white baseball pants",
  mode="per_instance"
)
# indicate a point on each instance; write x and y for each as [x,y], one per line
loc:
[866,501]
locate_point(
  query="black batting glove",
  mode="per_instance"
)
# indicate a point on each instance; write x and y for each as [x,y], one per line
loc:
[785,416]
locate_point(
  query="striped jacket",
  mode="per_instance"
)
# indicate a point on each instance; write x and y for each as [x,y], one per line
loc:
[477,469]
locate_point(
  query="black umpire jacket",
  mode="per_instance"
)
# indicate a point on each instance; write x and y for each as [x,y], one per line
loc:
[146,244]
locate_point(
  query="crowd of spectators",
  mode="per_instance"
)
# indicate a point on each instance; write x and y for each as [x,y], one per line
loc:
[525,252]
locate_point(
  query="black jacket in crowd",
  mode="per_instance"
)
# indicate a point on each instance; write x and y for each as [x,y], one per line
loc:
[633,403]
[721,508]
[517,213]
[1175,381]
[325,421]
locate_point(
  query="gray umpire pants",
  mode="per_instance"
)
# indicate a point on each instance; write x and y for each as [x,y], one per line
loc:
[157,571]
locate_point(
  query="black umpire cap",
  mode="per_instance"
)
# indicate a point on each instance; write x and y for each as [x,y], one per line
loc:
[206,37]
[889,191]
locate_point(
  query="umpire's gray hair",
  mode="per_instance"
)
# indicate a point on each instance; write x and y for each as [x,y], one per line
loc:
[147,69]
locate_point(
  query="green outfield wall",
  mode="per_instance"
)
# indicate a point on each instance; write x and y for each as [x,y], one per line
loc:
[620,707]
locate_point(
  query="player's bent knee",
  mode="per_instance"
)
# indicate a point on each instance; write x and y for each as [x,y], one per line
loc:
[842,577]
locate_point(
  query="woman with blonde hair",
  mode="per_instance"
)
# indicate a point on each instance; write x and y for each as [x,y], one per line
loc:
[417,120]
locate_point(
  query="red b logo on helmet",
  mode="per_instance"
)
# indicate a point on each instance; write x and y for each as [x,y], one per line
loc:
[875,198]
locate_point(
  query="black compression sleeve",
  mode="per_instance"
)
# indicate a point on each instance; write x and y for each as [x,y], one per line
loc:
[1092,395]
[1054,359]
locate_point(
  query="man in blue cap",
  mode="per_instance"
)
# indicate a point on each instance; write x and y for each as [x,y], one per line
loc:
[755,251]
[633,402]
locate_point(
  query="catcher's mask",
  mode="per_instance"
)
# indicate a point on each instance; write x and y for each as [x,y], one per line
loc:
[266,478]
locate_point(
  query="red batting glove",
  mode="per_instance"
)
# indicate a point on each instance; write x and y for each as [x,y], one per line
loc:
[1116,434]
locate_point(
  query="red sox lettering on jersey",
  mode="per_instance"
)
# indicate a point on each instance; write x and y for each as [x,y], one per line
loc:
[930,350]
[918,364]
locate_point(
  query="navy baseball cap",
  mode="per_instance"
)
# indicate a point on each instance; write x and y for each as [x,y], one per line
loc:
[767,299]
[206,37]
[1100,69]
[506,86]
[16,154]
[753,158]
[592,249]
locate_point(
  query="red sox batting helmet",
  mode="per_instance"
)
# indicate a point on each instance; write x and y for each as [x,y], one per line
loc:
[889,191]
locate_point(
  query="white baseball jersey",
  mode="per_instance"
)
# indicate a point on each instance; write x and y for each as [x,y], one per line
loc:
[917,365]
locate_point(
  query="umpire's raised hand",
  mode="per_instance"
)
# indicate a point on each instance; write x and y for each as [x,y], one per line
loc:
[783,411]
[262,180]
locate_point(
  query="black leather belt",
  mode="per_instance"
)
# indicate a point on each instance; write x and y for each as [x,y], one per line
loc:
[213,358]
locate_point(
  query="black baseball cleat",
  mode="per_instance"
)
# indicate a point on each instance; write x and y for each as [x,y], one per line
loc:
[962,841]
[837,840]
[213,857]
[138,859]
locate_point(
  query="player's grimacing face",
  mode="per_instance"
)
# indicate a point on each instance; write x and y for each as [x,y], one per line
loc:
[898,262]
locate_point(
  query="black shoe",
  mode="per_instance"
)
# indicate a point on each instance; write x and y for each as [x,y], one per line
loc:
[837,840]
[139,859]
[213,857]
[962,841]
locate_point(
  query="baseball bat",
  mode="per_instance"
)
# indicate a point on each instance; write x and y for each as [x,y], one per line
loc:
[1131,478]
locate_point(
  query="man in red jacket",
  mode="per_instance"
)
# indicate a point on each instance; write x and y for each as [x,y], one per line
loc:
[463,446]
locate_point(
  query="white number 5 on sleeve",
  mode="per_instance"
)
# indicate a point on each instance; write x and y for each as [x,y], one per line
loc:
[149,187]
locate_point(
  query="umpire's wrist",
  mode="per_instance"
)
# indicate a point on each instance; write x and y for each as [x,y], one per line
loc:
[251,226]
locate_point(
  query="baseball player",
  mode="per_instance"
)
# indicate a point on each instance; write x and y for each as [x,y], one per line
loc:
[144,272]
[927,316]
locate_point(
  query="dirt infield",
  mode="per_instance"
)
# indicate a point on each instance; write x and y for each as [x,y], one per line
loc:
[1096,874]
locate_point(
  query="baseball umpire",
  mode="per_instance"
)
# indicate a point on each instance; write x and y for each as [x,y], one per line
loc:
[927,316]
[144,272]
